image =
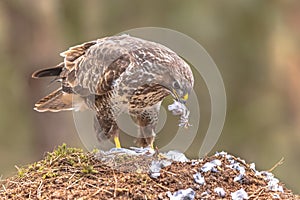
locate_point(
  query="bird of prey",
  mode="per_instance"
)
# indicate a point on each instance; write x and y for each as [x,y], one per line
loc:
[118,74]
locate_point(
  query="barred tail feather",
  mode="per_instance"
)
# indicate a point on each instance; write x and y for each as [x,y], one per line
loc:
[55,102]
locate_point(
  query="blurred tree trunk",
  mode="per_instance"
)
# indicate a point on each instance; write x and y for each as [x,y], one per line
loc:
[285,48]
[285,73]
[32,37]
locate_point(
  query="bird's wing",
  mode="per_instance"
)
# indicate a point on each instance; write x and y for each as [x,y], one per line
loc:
[98,72]
[97,68]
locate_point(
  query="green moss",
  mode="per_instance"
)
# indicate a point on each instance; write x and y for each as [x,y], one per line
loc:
[21,171]
[62,151]
[88,169]
[49,175]
[60,160]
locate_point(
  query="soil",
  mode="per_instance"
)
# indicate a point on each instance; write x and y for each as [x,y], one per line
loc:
[69,173]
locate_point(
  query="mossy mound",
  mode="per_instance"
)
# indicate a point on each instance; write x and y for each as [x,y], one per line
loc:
[69,173]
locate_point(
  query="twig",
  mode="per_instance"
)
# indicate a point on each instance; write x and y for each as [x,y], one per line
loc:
[166,171]
[55,159]
[160,185]
[101,189]
[256,196]
[260,192]
[116,184]
[4,188]
[91,185]
[72,184]
[39,190]
[72,176]
[280,162]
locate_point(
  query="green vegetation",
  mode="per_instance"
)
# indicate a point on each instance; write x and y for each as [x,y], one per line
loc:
[69,158]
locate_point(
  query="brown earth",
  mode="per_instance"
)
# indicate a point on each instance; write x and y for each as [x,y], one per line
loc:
[69,173]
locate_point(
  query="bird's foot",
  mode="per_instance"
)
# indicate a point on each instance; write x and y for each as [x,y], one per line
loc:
[117,142]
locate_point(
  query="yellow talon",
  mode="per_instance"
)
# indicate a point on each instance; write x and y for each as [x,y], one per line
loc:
[117,142]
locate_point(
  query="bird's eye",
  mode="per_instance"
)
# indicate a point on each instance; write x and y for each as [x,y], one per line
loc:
[176,85]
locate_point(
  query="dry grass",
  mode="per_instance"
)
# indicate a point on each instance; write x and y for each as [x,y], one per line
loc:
[69,173]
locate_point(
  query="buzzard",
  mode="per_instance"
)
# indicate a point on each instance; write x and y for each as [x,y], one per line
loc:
[119,74]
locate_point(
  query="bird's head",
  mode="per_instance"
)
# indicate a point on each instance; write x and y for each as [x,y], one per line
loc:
[171,72]
[180,81]
[183,81]
[181,89]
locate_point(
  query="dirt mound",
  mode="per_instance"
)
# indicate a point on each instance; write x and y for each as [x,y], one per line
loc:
[69,173]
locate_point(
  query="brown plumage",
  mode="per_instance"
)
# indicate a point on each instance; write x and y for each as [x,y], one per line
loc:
[114,75]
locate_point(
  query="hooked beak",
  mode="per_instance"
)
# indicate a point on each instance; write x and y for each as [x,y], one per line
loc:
[182,99]
[185,97]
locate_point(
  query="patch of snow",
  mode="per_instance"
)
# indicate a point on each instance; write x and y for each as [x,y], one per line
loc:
[273,185]
[195,162]
[239,194]
[143,150]
[220,191]
[156,166]
[121,151]
[217,162]
[222,153]
[199,178]
[211,166]
[204,194]
[228,157]
[176,156]
[238,178]
[272,181]
[252,166]
[187,194]
[237,166]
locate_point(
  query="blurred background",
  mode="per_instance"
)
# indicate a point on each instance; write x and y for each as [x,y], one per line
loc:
[255,44]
